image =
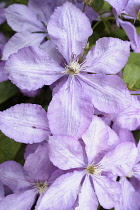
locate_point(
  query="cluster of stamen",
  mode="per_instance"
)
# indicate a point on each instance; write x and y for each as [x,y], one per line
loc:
[41,187]
[93,170]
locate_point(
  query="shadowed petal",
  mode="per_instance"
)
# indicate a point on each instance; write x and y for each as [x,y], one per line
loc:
[21,201]
[65,152]
[69,110]
[25,123]
[11,175]
[21,18]
[63,192]
[3,75]
[72,27]
[20,40]
[133,8]
[109,56]
[1,191]
[31,68]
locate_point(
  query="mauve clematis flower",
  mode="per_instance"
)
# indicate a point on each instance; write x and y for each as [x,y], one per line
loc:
[2,16]
[119,5]
[28,183]
[82,79]
[94,166]
[1,191]
[26,123]
[3,75]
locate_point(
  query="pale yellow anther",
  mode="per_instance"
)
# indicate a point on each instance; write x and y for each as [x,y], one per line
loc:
[73,68]
[41,187]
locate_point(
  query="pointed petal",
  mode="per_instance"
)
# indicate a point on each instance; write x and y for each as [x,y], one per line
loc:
[87,197]
[109,56]
[20,40]
[12,175]
[25,123]
[3,75]
[136,170]
[31,68]
[65,152]
[1,191]
[73,29]
[38,165]
[69,110]
[118,5]
[107,191]
[120,160]
[21,18]
[99,138]
[64,189]
[21,201]
[108,92]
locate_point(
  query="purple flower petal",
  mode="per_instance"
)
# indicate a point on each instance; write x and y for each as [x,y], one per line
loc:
[38,166]
[87,197]
[133,8]
[11,175]
[3,75]
[2,16]
[129,198]
[22,201]
[107,191]
[109,56]
[69,29]
[69,110]
[25,123]
[31,68]
[64,189]
[98,138]
[1,191]
[108,92]
[21,18]
[65,152]
[136,171]
[20,40]
[120,160]
[118,5]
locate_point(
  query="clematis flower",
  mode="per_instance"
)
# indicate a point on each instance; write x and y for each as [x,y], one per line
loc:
[28,183]
[2,16]
[26,123]
[84,80]
[94,167]
[3,75]
[1,191]
[119,5]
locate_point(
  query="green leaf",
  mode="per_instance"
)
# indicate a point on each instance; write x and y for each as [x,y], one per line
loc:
[8,148]
[131,76]
[97,5]
[134,58]
[106,6]
[7,90]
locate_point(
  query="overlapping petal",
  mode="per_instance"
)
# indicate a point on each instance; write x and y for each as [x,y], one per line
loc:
[107,191]
[22,201]
[67,187]
[120,160]
[21,18]
[31,68]
[99,138]
[12,175]
[133,8]
[118,5]
[25,123]
[72,107]
[20,40]
[65,152]
[71,36]
[108,92]
[109,56]
[3,74]
[87,197]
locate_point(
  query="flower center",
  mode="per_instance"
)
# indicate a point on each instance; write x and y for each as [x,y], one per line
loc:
[131,174]
[41,187]
[73,68]
[93,170]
